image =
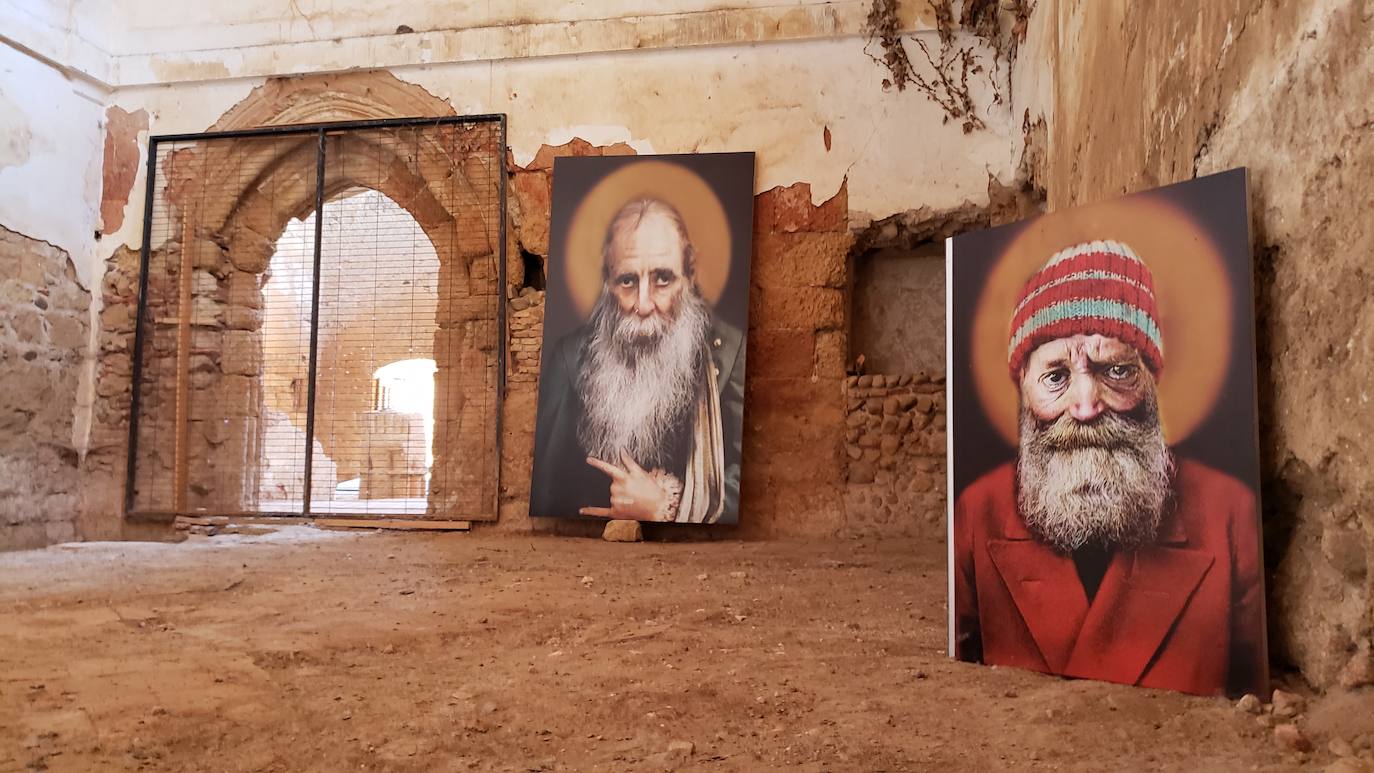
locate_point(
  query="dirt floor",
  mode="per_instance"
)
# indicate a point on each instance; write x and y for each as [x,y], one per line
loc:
[302,649]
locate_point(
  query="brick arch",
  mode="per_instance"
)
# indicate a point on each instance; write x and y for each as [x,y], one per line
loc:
[349,96]
[426,184]
[446,187]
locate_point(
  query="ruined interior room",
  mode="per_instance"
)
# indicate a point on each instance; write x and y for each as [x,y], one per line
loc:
[274,278]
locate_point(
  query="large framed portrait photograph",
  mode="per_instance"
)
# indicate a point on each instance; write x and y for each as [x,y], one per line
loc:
[641,383]
[1103,461]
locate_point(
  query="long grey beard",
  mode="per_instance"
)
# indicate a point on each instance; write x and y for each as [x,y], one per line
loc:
[640,380]
[1104,484]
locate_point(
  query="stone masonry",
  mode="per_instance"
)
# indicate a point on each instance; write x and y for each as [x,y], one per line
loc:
[895,452]
[43,338]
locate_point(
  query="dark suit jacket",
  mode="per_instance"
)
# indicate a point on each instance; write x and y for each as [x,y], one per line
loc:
[562,480]
[1186,613]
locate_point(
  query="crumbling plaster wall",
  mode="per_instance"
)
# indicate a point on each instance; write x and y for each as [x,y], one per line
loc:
[813,106]
[1285,90]
[50,166]
[793,82]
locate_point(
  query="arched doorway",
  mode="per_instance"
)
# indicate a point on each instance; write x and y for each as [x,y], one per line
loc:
[289,318]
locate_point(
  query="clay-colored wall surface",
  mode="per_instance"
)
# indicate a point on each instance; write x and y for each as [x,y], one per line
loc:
[1286,90]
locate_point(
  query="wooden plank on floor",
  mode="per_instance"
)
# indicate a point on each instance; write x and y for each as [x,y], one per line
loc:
[389,523]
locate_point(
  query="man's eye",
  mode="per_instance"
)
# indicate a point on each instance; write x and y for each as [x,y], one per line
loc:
[663,278]
[1055,379]
[1120,372]
[626,281]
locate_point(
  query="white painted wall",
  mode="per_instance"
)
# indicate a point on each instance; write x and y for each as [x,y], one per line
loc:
[776,99]
[51,147]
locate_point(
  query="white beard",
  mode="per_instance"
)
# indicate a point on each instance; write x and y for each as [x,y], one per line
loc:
[640,380]
[1103,484]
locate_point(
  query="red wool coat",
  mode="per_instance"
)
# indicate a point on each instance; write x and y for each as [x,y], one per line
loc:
[1186,613]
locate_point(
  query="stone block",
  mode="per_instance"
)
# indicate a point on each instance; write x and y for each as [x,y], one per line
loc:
[622,531]
[532,195]
[67,334]
[27,325]
[781,353]
[244,289]
[814,308]
[801,260]
[242,318]
[207,312]
[242,353]
[862,472]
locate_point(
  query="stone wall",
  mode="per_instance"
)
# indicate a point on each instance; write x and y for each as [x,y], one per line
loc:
[1282,89]
[525,329]
[43,340]
[895,479]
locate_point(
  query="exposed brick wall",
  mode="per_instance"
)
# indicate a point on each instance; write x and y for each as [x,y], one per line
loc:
[43,340]
[525,325]
[895,453]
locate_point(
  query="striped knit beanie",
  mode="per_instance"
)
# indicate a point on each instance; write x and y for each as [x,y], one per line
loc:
[1098,288]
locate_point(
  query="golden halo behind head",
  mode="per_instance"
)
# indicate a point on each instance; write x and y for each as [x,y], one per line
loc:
[672,183]
[1192,299]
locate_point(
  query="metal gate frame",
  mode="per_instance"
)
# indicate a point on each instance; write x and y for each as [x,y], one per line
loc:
[322,131]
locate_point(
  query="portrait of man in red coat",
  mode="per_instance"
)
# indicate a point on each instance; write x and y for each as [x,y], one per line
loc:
[1097,552]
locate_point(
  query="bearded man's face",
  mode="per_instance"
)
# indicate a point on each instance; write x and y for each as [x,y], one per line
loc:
[646,278]
[1093,467]
[645,359]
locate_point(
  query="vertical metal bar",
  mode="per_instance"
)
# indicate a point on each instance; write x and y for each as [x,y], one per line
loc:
[130,467]
[500,313]
[314,325]
[185,308]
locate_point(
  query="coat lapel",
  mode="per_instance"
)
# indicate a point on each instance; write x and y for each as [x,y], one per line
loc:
[725,346]
[1048,595]
[1142,595]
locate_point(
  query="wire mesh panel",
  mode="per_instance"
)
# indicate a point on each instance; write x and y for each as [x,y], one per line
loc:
[349,362]
[210,438]
[408,341]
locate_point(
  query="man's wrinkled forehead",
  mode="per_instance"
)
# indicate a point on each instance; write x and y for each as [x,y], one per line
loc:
[1083,350]
[654,239]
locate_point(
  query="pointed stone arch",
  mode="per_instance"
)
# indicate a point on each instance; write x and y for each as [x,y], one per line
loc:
[448,180]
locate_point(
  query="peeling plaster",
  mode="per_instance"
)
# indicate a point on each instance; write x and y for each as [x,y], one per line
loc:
[50,186]
[593,134]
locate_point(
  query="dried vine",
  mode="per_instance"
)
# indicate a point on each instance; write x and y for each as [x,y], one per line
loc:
[947,81]
[882,28]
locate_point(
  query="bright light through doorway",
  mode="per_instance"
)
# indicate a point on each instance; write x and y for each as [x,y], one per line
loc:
[407,386]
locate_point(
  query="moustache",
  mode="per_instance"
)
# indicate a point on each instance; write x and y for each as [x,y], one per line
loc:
[631,330]
[1109,430]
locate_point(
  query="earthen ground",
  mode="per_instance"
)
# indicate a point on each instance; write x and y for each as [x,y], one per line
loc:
[307,650]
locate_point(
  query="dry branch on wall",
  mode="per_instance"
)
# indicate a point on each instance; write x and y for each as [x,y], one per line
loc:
[882,28]
[945,78]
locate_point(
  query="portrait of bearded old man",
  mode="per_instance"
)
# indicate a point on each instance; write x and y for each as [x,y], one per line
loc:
[633,405]
[1098,553]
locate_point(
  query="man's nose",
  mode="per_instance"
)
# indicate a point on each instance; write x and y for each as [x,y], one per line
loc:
[1085,403]
[644,306]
